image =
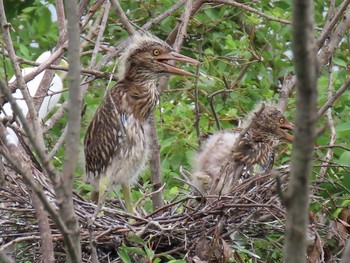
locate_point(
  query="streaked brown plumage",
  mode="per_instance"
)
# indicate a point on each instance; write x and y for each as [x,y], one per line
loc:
[254,153]
[116,142]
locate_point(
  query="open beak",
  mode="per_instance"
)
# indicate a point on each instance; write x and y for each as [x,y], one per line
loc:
[287,126]
[163,59]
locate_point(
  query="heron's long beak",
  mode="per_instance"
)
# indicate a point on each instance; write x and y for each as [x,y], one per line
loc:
[164,58]
[287,126]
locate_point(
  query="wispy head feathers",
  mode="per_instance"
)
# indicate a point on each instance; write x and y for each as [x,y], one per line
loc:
[135,43]
[257,107]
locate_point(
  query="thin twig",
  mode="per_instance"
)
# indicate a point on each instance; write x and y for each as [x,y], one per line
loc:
[102,27]
[327,51]
[330,122]
[163,15]
[227,89]
[196,97]
[332,20]
[251,9]
[333,98]
[122,17]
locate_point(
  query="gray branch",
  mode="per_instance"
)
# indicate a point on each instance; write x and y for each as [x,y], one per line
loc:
[297,200]
[64,190]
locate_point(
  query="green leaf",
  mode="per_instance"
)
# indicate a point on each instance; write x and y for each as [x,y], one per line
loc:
[344,158]
[149,252]
[343,127]
[135,250]
[135,239]
[211,14]
[124,256]
[29,9]
[230,43]
[24,50]
[44,22]
[242,249]
[174,190]
[339,62]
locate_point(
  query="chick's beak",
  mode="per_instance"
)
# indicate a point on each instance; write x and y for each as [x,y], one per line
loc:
[164,58]
[287,126]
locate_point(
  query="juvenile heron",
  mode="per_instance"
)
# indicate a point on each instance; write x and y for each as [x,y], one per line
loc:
[254,153]
[116,142]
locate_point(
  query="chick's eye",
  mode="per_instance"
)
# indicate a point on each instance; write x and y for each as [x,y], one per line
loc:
[281,120]
[156,52]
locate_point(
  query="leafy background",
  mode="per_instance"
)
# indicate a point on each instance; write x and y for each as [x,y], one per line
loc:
[227,40]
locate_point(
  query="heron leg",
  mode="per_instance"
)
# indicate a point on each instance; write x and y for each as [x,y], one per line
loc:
[127,197]
[104,187]
[99,206]
[95,195]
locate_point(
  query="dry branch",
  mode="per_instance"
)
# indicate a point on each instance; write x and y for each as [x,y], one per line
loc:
[297,199]
[64,185]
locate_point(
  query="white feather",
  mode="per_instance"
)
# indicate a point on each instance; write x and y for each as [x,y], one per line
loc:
[48,103]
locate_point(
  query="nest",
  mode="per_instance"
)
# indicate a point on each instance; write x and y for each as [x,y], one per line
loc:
[196,228]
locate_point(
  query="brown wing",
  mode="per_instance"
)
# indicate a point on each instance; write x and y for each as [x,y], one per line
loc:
[104,136]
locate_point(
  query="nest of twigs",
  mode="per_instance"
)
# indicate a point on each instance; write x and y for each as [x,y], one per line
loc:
[193,227]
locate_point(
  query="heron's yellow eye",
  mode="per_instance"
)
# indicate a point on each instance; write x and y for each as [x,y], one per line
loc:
[156,52]
[281,120]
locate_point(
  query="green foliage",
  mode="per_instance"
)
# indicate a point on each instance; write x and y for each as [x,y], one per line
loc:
[126,253]
[14,7]
[227,39]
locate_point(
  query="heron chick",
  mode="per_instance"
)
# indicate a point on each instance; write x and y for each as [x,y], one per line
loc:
[253,155]
[116,141]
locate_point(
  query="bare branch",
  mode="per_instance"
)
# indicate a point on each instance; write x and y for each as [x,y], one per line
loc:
[323,56]
[122,17]
[46,81]
[59,143]
[333,19]
[298,190]
[330,122]
[334,39]
[61,21]
[155,165]
[46,242]
[163,15]
[155,162]
[333,98]
[195,7]
[64,190]
[288,85]
[251,9]
[196,92]
[183,25]
[102,28]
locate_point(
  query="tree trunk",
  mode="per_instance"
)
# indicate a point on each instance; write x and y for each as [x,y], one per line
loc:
[306,78]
